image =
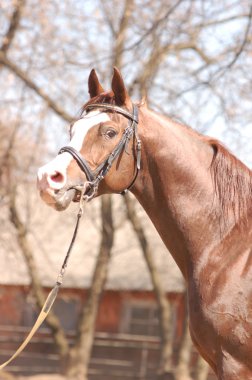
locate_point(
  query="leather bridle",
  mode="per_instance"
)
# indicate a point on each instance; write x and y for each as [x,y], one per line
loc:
[94,177]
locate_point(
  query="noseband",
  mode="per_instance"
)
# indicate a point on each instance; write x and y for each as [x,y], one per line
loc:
[94,177]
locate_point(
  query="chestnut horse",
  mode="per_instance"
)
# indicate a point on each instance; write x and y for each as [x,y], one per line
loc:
[198,196]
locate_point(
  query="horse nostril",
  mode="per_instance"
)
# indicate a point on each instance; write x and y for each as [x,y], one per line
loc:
[52,177]
[57,177]
[56,180]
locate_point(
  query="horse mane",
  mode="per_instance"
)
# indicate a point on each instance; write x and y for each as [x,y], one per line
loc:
[232,182]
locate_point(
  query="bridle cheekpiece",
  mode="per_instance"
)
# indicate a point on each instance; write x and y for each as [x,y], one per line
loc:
[94,177]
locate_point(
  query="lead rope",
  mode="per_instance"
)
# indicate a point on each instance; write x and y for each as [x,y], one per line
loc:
[52,295]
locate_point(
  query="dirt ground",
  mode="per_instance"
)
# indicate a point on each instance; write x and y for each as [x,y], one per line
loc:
[42,377]
[6,376]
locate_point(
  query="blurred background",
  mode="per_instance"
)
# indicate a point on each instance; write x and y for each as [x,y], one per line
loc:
[122,311]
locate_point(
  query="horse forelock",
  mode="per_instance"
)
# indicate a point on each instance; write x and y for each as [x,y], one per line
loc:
[232,182]
[104,97]
[108,98]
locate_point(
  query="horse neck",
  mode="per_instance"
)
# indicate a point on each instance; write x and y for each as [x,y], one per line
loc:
[175,187]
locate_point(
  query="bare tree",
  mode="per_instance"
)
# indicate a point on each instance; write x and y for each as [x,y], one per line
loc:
[163,303]
[179,55]
[81,352]
[23,241]
[182,370]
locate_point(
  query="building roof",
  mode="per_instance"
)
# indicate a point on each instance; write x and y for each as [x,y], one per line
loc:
[50,235]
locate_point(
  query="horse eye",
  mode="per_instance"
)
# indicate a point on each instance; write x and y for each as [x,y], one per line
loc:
[110,133]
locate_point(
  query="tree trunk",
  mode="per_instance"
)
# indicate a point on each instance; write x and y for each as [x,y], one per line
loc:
[23,242]
[202,369]
[77,368]
[120,36]
[163,303]
[182,371]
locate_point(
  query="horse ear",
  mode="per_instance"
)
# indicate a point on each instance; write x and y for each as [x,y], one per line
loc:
[119,89]
[94,86]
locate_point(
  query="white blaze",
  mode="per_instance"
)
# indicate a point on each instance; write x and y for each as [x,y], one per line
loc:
[61,162]
[81,127]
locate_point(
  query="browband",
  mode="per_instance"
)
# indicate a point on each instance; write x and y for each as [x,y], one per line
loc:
[110,107]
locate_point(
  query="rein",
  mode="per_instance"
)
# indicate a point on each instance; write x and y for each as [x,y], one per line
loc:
[51,296]
[94,177]
[88,191]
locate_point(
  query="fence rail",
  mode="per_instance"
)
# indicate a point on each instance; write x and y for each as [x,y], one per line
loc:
[114,356]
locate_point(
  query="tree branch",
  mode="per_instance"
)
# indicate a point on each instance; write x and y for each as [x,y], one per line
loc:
[154,26]
[32,85]
[13,25]
[237,55]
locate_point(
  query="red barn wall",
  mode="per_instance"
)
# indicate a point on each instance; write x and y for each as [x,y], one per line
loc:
[15,299]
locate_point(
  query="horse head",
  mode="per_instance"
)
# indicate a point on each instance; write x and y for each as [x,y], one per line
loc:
[103,155]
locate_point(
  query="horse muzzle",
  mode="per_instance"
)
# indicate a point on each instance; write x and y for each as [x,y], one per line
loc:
[54,188]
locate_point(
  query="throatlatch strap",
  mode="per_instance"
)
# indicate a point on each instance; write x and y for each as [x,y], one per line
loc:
[51,296]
